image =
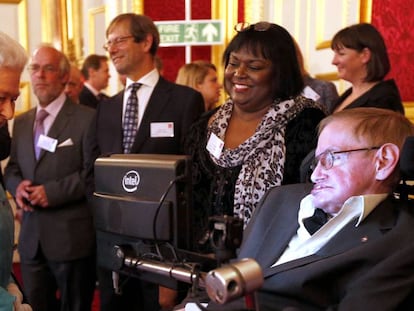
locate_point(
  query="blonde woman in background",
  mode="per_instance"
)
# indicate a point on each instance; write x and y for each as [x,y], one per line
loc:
[201,76]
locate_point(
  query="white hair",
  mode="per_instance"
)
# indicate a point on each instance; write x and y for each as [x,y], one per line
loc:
[12,54]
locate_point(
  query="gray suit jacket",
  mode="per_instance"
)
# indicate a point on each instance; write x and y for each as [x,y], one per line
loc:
[65,229]
[366,267]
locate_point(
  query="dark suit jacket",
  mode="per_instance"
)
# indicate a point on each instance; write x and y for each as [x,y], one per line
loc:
[169,102]
[6,240]
[65,229]
[369,267]
[5,144]
[87,98]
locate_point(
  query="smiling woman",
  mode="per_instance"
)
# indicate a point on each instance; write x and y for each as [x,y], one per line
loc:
[259,136]
[361,58]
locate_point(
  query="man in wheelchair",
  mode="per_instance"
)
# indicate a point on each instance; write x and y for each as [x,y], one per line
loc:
[359,252]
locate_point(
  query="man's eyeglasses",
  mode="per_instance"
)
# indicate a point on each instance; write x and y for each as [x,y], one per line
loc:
[4,99]
[260,26]
[116,42]
[327,158]
[46,69]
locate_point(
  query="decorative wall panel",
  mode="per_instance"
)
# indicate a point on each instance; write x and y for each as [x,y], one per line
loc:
[393,18]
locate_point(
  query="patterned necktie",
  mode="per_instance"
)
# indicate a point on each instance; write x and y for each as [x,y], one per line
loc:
[131,118]
[312,224]
[39,129]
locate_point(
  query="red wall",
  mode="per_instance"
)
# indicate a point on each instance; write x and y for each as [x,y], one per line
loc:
[174,57]
[394,19]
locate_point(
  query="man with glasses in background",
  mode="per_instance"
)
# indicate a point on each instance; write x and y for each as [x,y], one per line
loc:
[151,115]
[46,174]
[345,242]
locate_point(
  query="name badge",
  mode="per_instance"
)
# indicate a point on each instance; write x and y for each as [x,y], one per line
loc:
[309,92]
[47,143]
[162,129]
[191,306]
[215,145]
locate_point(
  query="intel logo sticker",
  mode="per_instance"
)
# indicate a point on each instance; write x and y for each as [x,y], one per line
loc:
[130,181]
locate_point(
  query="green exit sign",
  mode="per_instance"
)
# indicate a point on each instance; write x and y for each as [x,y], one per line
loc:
[194,32]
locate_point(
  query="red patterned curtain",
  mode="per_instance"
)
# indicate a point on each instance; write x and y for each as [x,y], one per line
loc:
[394,19]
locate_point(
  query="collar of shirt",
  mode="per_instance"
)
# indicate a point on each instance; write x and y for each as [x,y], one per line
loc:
[150,79]
[144,93]
[53,109]
[91,88]
[304,244]
[360,206]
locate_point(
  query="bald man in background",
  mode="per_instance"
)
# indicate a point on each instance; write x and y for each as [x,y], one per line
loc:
[75,84]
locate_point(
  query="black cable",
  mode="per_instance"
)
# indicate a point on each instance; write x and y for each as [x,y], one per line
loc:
[162,199]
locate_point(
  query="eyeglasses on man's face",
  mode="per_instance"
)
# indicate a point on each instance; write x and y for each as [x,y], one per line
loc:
[116,42]
[261,26]
[34,68]
[327,159]
[4,99]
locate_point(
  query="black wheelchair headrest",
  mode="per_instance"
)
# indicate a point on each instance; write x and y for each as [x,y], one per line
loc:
[407,159]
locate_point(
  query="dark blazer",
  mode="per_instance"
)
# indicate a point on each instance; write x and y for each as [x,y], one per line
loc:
[5,144]
[366,267]
[87,98]
[65,230]
[383,95]
[6,240]
[169,102]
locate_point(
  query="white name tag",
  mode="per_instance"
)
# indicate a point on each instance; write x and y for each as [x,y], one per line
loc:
[47,143]
[309,92]
[191,306]
[162,129]
[215,145]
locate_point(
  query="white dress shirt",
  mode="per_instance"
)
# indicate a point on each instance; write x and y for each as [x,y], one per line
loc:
[144,93]
[53,109]
[304,244]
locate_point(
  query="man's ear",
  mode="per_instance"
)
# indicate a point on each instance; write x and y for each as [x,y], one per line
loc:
[148,42]
[91,72]
[387,158]
[65,78]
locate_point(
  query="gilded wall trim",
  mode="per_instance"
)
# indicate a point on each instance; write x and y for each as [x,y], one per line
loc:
[51,30]
[365,14]
[62,26]
[227,12]
[328,76]
[92,16]
[253,11]
[21,7]
[138,6]
[409,110]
